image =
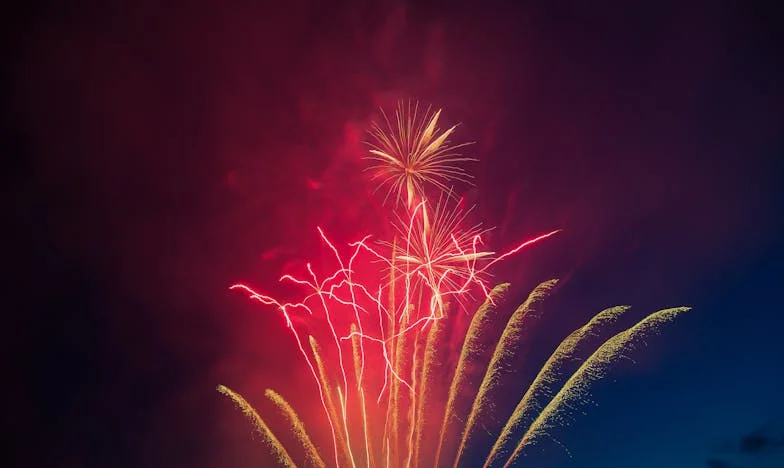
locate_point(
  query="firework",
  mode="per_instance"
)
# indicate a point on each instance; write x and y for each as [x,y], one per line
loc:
[512,335]
[261,427]
[595,367]
[547,377]
[297,427]
[410,153]
[379,384]
[482,323]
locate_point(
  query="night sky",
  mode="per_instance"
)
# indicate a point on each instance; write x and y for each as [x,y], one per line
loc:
[157,152]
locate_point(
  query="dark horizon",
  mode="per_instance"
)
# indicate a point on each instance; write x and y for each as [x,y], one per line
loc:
[157,153]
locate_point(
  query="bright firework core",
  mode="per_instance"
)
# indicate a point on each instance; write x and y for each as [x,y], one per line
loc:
[383,415]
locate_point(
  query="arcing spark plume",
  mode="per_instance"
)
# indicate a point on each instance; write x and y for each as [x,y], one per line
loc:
[342,446]
[509,341]
[481,323]
[261,427]
[433,354]
[548,376]
[595,367]
[297,427]
[540,417]
[387,335]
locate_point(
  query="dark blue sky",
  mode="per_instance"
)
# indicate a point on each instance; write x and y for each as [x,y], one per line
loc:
[716,381]
[158,150]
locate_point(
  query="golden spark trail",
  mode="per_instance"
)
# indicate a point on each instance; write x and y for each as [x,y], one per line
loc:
[284,309]
[342,398]
[400,363]
[310,451]
[342,440]
[395,399]
[323,295]
[548,375]
[481,321]
[431,359]
[592,369]
[412,402]
[355,347]
[261,427]
[389,377]
[509,340]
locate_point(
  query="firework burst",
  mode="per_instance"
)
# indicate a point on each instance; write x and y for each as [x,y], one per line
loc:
[437,256]
[411,152]
[379,384]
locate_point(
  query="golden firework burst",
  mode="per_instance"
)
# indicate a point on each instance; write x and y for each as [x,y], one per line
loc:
[411,152]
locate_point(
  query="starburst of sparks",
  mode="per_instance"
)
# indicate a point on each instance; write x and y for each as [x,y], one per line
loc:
[411,152]
[386,332]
